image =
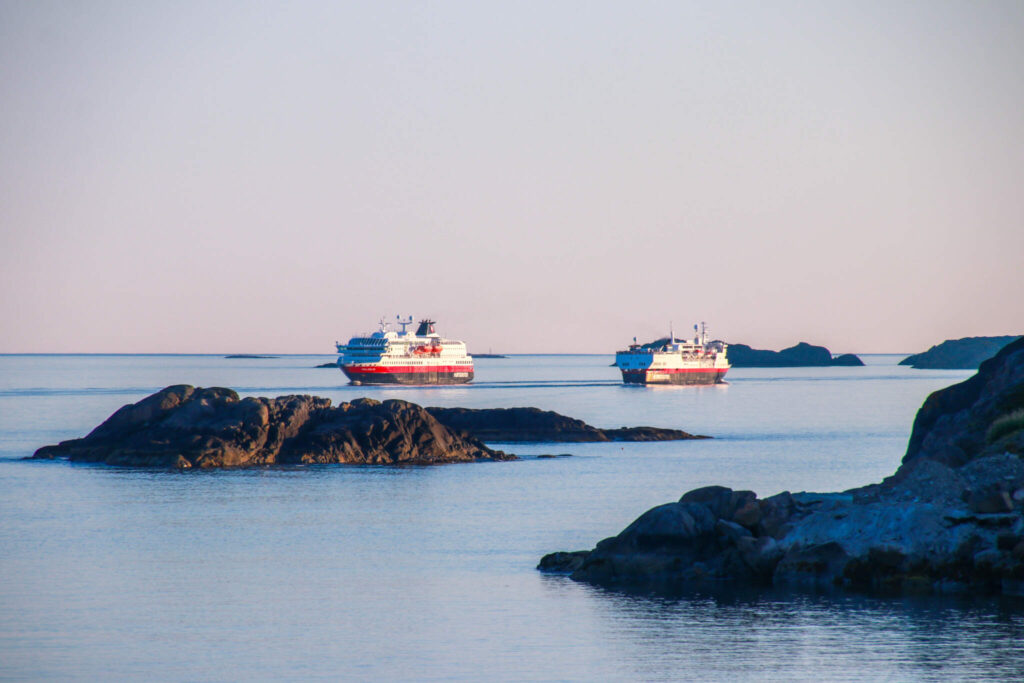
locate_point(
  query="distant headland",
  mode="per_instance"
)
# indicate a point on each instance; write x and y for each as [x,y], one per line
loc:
[958,354]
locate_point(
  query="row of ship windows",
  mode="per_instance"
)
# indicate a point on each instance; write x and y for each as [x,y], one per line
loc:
[406,362]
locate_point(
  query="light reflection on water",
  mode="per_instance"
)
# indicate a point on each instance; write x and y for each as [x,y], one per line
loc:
[428,572]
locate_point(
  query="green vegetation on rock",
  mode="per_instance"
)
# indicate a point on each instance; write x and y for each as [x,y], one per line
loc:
[1007,424]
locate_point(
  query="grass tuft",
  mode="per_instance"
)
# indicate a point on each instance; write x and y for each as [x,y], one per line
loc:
[1005,424]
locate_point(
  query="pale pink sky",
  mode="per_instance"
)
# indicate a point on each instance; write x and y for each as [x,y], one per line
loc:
[246,177]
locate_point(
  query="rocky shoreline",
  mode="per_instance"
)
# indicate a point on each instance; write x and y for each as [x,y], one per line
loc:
[951,519]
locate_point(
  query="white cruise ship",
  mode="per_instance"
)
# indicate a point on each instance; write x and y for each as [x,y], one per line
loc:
[672,361]
[390,357]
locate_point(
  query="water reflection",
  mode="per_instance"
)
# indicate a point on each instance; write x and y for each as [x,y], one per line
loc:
[744,633]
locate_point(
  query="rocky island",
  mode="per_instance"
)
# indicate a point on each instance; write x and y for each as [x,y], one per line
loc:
[958,354]
[800,356]
[185,427]
[949,520]
[540,426]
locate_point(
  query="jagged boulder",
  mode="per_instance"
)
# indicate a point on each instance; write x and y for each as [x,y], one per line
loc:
[184,427]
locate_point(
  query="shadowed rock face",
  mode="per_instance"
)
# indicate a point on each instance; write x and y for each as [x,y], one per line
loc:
[958,354]
[183,426]
[952,426]
[535,425]
[950,519]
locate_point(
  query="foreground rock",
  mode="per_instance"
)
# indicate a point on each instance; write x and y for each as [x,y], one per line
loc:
[535,425]
[184,427]
[958,354]
[950,519]
[800,356]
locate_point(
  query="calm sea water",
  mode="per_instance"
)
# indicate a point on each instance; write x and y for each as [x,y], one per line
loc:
[426,573]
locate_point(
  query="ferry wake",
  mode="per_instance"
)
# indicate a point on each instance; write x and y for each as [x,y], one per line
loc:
[672,361]
[390,357]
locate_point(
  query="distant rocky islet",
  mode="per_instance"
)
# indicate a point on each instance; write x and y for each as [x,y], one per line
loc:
[802,355]
[531,425]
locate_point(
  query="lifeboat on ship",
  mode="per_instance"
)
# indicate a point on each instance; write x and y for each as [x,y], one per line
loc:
[425,350]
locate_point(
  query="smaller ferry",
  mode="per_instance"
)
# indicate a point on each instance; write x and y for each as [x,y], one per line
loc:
[672,361]
[401,357]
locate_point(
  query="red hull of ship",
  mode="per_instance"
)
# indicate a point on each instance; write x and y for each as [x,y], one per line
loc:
[675,376]
[408,374]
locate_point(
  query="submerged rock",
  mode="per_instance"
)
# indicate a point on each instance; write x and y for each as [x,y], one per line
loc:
[535,425]
[950,519]
[958,354]
[184,427]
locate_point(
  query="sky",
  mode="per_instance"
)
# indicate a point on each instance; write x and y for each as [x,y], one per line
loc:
[232,177]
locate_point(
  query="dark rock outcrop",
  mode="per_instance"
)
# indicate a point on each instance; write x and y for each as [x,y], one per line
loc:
[799,356]
[950,519]
[535,425]
[963,422]
[847,360]
[248,355]
[958,354]
[184,427]
[328,365]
